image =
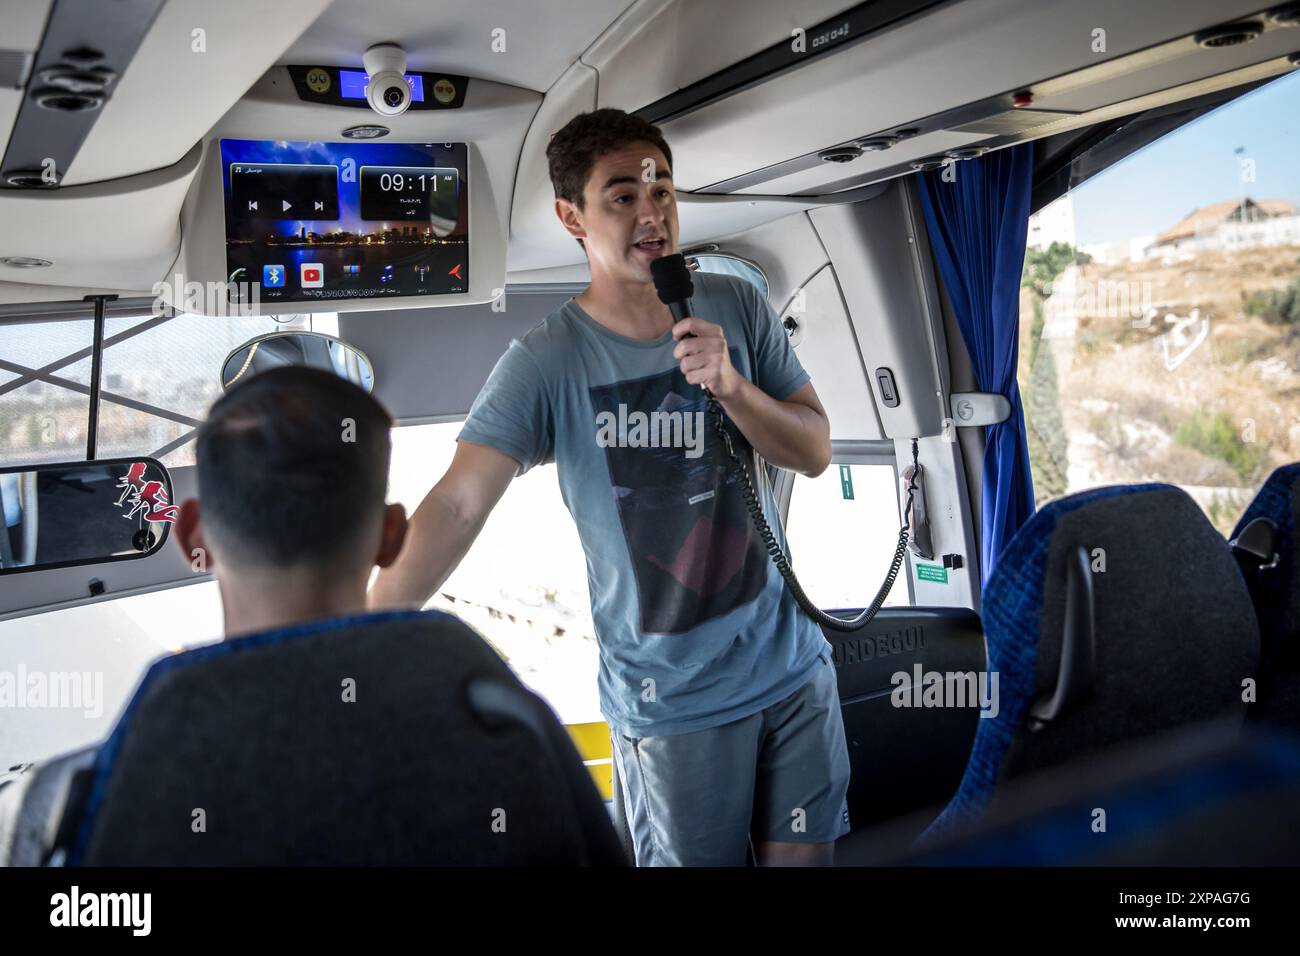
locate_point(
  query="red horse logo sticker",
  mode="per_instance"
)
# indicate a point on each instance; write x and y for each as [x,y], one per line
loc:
[147,498]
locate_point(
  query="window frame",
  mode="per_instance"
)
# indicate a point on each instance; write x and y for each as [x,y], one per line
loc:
[151,317]
[847,452]
[715,253]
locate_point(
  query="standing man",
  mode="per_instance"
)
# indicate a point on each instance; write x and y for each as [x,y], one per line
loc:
[720,693]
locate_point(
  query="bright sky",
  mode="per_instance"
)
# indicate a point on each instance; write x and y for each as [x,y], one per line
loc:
[1156,187]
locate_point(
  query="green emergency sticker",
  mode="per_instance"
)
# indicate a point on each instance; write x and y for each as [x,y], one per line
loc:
[932,572]
[846,483]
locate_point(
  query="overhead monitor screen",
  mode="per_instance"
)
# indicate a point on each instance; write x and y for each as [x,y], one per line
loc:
[359,220]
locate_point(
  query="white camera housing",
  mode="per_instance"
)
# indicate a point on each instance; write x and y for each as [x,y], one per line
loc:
[387,91]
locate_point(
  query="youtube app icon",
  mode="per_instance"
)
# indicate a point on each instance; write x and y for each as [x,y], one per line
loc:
[311,275]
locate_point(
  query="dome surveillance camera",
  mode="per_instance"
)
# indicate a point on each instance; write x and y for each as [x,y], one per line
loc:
[387,91]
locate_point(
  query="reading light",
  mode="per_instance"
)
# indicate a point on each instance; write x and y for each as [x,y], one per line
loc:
[875,143]
[1231,34]
[32,178]
[365,132]
[929,165]
[841,154]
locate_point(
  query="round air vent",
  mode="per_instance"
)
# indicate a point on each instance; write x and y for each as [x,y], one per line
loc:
[83,57]
[52,98]
[72,80]
[875,144]
[31,178]
[25,262]
[1288,16]
[1294,59]
[840,154]
[929,165]
[1231,34]
[907,133]
[966,152]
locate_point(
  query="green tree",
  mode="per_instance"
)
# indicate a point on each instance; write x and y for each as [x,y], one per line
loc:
[1042,266]
[1279,306]
[1215,436]
[1044,423]
[1044,426]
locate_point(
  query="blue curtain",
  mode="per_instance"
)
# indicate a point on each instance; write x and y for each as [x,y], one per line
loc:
[977,225]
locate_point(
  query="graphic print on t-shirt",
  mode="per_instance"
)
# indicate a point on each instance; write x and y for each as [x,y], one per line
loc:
[683,513]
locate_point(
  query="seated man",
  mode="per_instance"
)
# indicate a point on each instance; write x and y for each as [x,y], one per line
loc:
[291,520]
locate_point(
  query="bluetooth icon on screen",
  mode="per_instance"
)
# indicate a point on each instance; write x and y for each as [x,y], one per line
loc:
[272,276]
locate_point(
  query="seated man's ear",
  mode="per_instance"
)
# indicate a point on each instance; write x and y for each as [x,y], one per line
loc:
[189,535]
[392,536]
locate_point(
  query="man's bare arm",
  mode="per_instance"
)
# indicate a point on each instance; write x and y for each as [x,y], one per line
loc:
[444,526]
[793,434]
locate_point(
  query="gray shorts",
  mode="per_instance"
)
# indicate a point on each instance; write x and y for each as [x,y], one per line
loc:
[779,775]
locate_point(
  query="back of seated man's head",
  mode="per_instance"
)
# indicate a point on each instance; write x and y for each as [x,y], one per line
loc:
[292,478]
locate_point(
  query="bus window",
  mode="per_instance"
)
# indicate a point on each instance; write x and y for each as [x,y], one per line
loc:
[159,377]
[523,584]
[1160,327]
[43,415]
[87,662]
[733,266]
[842,530]
[174,370]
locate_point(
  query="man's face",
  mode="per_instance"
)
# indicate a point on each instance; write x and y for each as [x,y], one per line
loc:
[629,203]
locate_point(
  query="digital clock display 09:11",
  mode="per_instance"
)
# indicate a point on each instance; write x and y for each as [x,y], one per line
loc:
[410,194]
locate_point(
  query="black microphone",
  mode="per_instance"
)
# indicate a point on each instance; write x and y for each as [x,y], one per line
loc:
[673,283]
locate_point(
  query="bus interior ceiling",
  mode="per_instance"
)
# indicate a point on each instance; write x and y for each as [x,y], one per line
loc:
[798,158]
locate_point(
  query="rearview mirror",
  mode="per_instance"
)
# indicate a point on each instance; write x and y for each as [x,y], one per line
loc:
[56,516]
[312,349]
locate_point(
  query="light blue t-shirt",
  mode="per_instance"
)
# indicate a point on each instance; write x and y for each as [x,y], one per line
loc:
[695,625]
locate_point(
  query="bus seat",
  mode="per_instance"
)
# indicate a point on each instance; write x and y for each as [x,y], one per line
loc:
[901,759]
[397,738]
[1113,615]
[1213,794]
[1274,583]
[32,805]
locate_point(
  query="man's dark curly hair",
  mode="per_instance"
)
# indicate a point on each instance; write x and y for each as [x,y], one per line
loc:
[573,151]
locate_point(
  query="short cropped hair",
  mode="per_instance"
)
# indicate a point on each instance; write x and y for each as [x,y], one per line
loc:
[573,151]
[293,468]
